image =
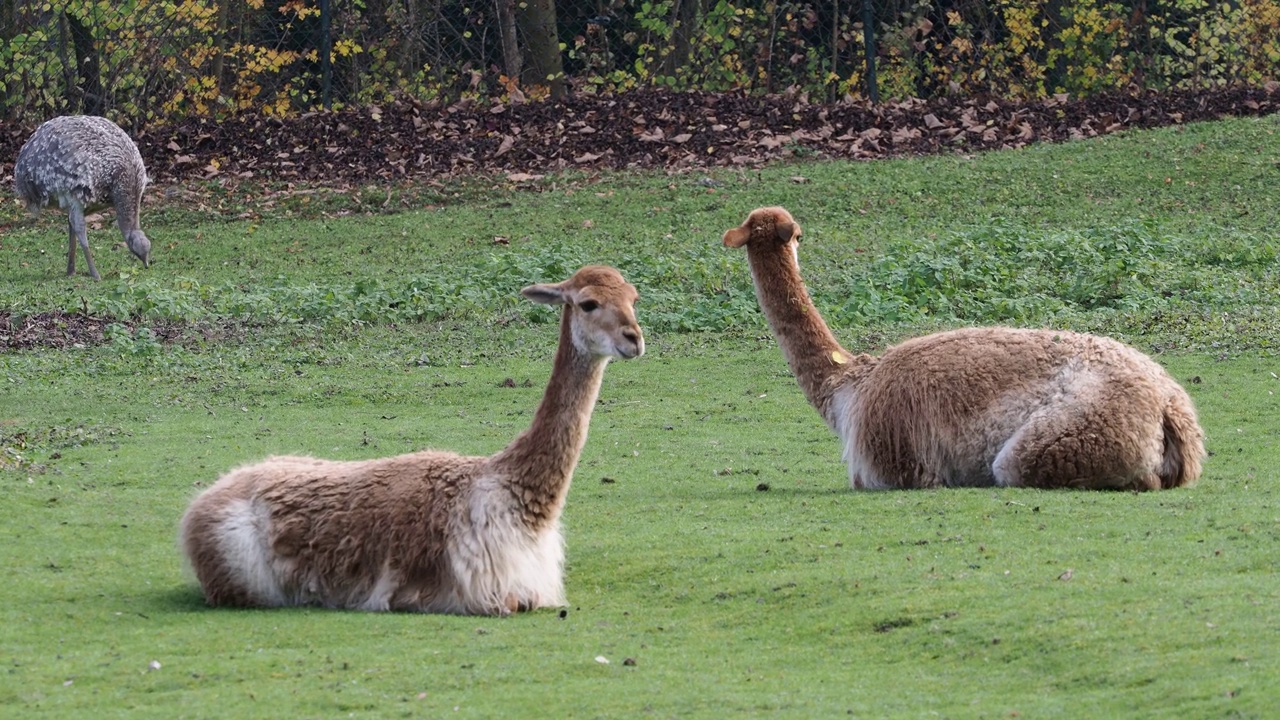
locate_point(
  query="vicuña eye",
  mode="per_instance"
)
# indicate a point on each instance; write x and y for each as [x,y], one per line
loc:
[588,305]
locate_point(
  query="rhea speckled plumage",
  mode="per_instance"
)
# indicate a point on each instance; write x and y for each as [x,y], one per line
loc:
[429,531]
[977,406]
[84,162]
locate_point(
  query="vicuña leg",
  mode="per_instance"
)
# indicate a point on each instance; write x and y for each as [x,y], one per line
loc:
[1098,445]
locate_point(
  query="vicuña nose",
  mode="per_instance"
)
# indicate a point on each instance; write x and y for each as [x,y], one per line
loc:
[632,335]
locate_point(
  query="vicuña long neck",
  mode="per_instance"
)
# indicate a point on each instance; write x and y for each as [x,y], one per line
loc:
[814,355]
[539,463]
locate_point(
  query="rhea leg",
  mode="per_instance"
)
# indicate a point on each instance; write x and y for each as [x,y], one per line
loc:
[71,248]
[77,231]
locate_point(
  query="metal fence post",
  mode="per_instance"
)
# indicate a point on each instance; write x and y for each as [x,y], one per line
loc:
[869,44]
[326,50]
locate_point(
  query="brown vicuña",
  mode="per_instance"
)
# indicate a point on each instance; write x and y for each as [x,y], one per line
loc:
[977,406]
[428,531]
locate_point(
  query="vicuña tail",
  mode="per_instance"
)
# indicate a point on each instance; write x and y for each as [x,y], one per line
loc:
[1183,446]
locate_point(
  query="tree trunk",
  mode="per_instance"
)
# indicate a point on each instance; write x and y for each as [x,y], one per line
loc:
[87,65]
[220,42]
[8,29]
[1139,34]
[8,19]
[685,17]
[771,7]
[408,33]
[511,60]
[833,89]
[536,20]
[1056,72]
[326,54]
[433,48]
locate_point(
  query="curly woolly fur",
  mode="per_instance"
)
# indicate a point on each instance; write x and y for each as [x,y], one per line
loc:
[428,531]
[85,163]
[977,406]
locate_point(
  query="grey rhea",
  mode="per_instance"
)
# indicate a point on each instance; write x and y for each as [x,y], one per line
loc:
[84,162]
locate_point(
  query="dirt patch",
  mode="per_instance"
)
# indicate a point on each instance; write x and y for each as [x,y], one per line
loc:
[68,330]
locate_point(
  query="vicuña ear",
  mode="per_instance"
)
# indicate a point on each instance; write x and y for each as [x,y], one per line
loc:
[786,231]
[736,237]
[546,294]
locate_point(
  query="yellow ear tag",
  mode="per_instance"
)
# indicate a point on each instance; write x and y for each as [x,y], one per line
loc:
[839,357]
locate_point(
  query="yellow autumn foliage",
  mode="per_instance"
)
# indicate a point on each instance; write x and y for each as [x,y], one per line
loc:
[173,58]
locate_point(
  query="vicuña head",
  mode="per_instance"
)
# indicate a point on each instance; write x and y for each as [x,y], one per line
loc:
[429,531]
[765,226]
[977,406]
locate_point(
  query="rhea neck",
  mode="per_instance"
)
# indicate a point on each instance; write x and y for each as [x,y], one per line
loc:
[541,460]
[127,199]
[815,357]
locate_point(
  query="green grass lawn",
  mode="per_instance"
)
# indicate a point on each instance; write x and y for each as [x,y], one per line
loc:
[711,536]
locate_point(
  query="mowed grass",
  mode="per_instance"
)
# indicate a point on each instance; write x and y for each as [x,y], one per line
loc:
[711,535]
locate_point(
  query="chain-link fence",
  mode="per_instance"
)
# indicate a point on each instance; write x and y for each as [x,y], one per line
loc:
[146,60]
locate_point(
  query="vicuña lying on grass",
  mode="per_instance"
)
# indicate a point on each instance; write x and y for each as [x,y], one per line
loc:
[84,162]
[428,531]
[977,406]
